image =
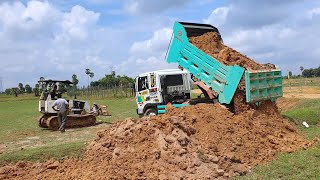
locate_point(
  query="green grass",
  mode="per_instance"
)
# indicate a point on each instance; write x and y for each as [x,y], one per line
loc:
[302,164]
[307,110]
[19,128]
[18,117]
[41,154]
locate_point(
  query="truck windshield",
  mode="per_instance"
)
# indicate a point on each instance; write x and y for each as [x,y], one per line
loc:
[142,83]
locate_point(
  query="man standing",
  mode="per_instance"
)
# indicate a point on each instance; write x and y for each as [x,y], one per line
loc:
[62,107]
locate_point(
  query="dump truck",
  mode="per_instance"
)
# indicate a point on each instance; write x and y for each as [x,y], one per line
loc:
[217,81]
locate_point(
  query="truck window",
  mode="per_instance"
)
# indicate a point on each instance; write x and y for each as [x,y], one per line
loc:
[142,83]
[174,80]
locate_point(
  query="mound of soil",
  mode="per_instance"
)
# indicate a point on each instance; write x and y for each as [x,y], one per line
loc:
[211,45]
[196,142]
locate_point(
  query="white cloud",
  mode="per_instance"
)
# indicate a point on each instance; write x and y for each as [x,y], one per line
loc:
[21,22]
[277,36]
[78,21]
[148,55]
[157,43]
[56,39]
[40,40]
[313,12]
[218,16]
[276,44]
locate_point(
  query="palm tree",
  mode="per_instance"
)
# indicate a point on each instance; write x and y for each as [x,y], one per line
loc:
[91,75]
[75,80]
[88,73]
[301,69]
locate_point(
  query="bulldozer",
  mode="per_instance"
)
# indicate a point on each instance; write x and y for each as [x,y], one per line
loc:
[79,110]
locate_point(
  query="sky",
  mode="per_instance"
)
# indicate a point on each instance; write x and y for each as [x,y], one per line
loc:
[58,38]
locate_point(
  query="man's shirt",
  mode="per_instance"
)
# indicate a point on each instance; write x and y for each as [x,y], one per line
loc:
[61,104]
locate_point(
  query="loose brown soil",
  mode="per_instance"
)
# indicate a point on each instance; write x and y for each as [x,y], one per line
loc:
[211,45]
[285,104]
[196,142]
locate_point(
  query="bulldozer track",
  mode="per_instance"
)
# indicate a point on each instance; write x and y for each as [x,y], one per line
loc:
[43,121]
[73,121]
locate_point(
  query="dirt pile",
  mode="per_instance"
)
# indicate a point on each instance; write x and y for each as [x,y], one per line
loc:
[196,142]
[211,45]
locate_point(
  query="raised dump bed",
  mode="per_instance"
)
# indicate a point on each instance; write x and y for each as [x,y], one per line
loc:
[222,79]
[263,85]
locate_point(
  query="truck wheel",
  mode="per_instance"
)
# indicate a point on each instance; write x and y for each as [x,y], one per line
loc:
[150,112]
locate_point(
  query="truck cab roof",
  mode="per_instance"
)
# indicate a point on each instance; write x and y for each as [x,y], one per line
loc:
[166,72]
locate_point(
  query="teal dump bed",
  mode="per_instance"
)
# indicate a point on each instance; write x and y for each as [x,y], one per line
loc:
[263,85]
[222,79]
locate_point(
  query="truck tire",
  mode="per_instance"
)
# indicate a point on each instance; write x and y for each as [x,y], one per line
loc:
[150,112]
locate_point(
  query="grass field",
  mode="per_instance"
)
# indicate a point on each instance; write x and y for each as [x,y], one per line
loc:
[22,139]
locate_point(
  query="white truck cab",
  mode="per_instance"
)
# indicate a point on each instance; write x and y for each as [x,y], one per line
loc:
[161,87]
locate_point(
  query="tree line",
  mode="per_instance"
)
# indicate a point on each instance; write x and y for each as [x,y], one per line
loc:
[112,80]
[20,89]
[39,87]
[312,72]
[307,73]
[108,81]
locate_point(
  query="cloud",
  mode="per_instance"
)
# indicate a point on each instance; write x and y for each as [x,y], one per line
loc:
[40,40]
[151,6]
[78,21]
[273,34]
[218,16]
[56,39]
[157,43]
[250,14]
[148,55]
[21,22]
[313,12]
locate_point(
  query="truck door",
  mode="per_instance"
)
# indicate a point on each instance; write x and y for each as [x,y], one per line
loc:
[142,87]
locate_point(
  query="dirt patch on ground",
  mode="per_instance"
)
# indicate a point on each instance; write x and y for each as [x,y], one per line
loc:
[195,142]
[211,45]
[301,96]
[302,92]
[285,104]
[3,148]
[302,89]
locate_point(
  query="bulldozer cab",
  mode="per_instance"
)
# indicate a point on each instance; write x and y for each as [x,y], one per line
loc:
[50,89]
[50,92]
